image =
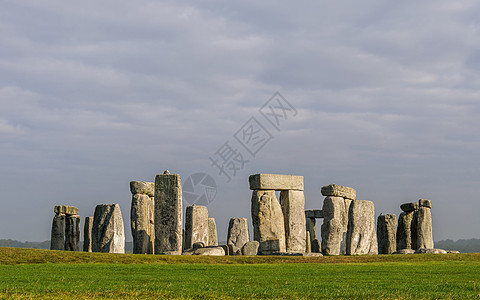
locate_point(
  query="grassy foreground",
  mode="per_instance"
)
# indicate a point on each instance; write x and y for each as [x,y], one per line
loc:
[28,273]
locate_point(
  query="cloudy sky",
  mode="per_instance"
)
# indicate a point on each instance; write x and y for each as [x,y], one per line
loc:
[385,98]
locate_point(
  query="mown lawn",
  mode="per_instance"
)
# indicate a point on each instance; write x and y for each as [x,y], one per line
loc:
[147,276]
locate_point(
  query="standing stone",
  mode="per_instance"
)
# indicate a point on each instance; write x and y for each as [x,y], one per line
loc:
[311,227]
[316,246]
[250,248]
[334,190]
[87,234]
[142,224]
[293,208]
[196,225]
[404,230]
[57,240]
[268,224]
[361,234]
[108,234]
[308,243]
[238,232]
[335,225]
[423,222]
[72,233]
[386,234]
[168,214]
[212,232]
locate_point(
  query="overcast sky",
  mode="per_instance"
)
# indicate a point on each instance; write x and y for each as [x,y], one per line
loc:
[385,98]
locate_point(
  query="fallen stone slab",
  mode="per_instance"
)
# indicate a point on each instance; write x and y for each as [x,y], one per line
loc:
[250,248]
[408,207]
[335,225]
[293,208]
[334,190]
[361,234]
[198,245]
[430,251]
[453,251]
[425,203]
[66,210]
[142,187]
[295,254]
[275,182]
[404,251]
[212,251]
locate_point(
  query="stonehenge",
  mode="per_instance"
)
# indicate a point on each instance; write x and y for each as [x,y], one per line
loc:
[108,232]
[65,234]
[142,216]
[281,225]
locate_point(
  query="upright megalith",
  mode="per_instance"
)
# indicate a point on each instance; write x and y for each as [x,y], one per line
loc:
[335,225]
[72,233]
[238,232]
[142,212]
[108,234]
[361,234]
[414,229]
[196,225]
[87,234]
[268,224]
[65,229]
[386,234]
[212,232]
[293,208]
[168,214]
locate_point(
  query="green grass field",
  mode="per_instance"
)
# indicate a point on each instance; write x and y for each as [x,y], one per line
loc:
[28,273]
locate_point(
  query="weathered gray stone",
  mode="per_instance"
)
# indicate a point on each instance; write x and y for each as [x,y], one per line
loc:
[238,232]
[87,234]
[408,207]
[275,182]
[335,225]
[108,233]
[311,228]
[142,187]
[404,230]
[196,225]
[430,251]
[212,232]
[198,245]
[233,250]
[404,251]
[268,223]
[316,246]
[296,254]
[453,251]
[212,251]
[361,234]
[386,234]
[308,243]
[168,214]
[142,223]
[425,203]
[293,208]
[423,224]
[226,249]
[57,240]
[334,190]
[250,248]
[72,233]
[66,210]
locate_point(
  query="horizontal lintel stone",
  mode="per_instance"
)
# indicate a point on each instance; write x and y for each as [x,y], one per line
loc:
[65,210]
[275,182]
[334,190]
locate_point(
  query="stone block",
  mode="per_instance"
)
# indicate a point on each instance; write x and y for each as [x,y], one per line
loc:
[142,223]
[334,190]
[196,225]
[212,232]
[430,251]
[404,230]
[250,248]
[335,225]
[425,203]
[238,232]
[268,223]
[57,240]
[316,246]
[198,245]
[211,251]
[66,210]
[404,251]
[408,207]
[423,221]
[361,234]
[72,233]
[87,234]
[142,187]
[275,182]
[108,233]
[293,208]
[168,214]
[386,234]
[311,228]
